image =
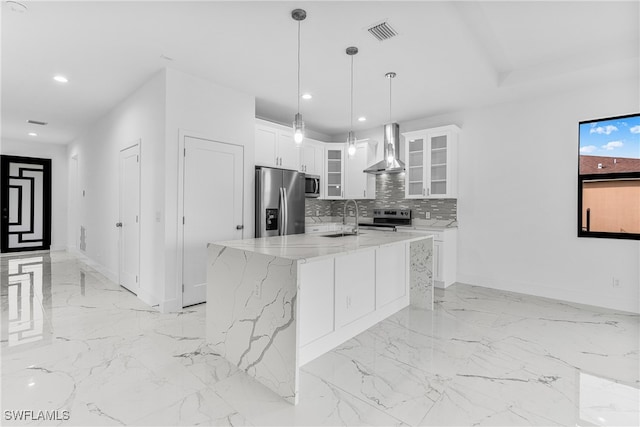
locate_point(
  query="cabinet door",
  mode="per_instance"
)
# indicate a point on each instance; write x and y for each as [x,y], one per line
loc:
[318,160]
[288,152]
[307,157]
[334,169]
[415,186]
[355,180]
[438,164]
[354,286]
[266,140]
[391,274]
[316,300]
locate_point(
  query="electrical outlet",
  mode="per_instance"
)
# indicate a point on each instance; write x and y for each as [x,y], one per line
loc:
[427,215]
[615,282]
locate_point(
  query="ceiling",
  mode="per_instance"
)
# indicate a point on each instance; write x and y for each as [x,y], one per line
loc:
[448,56]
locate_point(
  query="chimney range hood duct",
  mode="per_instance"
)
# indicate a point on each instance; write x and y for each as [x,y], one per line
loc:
[391,150]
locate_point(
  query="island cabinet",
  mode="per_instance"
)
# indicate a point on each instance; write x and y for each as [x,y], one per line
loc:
[355,286]
[345,295]
[276,303]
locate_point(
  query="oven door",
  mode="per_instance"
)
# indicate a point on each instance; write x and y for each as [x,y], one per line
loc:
[312,186]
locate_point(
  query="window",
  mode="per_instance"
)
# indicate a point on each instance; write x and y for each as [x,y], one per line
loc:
[609,178]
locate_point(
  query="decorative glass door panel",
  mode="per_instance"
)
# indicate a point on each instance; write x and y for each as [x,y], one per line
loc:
[415,167]
[334,173]
[438,163]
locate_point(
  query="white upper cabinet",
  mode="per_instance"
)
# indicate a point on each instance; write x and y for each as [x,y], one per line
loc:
[275,146]
[431,163]
[312,157]
[357,184]
[334,171]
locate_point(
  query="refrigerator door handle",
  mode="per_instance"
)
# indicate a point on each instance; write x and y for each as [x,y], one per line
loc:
[280,212]
[286,212]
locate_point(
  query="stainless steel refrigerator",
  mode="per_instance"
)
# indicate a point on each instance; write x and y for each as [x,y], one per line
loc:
[279,202]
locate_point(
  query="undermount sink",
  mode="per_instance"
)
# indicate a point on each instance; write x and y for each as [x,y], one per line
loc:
[341,234]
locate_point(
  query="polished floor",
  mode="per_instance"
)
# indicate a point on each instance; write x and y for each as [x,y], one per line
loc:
[81,350]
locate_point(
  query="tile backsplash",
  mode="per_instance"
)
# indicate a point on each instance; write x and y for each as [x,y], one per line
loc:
[389,194]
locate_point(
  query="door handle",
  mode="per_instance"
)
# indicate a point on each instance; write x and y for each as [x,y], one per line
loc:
[239,227]
[118,224]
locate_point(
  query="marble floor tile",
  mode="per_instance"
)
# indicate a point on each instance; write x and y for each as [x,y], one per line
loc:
[71,340]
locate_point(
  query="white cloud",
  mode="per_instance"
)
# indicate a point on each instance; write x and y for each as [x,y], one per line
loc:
[635,129]
[603,130]
[588,149]
[613,145]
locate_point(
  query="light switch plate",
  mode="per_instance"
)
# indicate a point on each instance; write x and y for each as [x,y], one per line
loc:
[427,215]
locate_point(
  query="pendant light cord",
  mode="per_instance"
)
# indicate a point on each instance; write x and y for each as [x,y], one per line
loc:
[351,92]
[298,67]
[390,79]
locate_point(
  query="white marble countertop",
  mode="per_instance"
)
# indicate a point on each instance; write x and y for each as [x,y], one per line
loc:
[316,245]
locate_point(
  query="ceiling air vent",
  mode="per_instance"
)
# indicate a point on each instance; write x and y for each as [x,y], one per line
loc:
[382,31]
[36,122]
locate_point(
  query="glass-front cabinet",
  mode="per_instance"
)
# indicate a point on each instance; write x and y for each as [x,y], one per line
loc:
[335,171]
[431,163]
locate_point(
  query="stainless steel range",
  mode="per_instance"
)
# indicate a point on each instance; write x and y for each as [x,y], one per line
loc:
[388,219]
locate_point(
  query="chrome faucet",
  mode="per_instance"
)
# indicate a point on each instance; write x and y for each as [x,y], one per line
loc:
[344,215]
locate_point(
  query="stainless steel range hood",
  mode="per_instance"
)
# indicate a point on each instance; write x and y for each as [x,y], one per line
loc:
[391,151]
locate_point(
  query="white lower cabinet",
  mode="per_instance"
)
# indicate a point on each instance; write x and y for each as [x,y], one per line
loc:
[355,286]
[343,296]
[391,270]
[316,300]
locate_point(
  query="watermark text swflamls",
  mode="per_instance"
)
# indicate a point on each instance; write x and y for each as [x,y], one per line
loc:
[31,415]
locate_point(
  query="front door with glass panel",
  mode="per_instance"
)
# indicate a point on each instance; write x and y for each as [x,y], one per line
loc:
[26,204]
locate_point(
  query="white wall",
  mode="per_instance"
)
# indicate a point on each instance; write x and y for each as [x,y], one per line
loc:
[139,118]
[202,108]
[517,205]
[58,155]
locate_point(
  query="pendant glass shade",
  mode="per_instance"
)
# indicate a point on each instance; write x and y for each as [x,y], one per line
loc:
[298,129]
[351,144]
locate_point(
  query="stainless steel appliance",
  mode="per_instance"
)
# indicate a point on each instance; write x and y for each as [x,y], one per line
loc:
[389,219]
[391,152]
[279,202]
[312,186]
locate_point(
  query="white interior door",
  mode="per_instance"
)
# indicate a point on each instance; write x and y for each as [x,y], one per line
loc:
[213,194]
[129,223]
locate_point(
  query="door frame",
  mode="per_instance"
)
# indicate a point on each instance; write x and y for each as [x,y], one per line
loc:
[182,136]
[46,202]
[135,143]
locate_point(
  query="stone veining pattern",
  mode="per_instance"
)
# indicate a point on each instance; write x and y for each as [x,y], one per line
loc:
[481,357]
[421,278]
[251,307]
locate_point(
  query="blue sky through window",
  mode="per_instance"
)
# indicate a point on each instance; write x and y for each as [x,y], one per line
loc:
[619,137]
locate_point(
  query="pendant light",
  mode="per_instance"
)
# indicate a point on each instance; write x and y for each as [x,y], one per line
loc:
[298,123]
[351,138]
[391,154]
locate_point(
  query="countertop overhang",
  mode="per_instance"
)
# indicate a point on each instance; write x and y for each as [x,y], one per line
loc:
[302,247]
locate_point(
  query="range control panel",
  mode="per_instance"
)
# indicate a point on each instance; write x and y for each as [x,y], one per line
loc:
[392,216]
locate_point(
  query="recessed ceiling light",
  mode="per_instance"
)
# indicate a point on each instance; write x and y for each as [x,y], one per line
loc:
[307,96]
[33,134]
[60,79]
[362,119]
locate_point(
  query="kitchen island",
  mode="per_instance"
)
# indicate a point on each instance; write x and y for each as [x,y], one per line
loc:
[275,303]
